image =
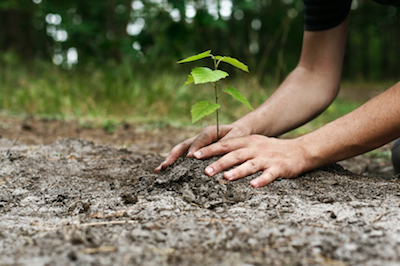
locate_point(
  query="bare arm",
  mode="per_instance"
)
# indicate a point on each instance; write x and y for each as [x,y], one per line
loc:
[308,90]
[372,125]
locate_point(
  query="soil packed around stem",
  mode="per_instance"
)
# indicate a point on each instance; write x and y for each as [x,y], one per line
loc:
[73,202]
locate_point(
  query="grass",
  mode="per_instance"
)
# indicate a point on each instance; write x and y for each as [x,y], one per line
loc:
[112,92]
[337,109]
[118,93]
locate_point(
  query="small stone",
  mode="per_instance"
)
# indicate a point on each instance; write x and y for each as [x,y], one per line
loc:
[72,256]
[128,198]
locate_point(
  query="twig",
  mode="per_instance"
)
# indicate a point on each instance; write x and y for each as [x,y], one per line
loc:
[107,223]
[99,168]
[325,261]
[379,217]
[320,225]
[148,175]
[92,224]
[213,220]
[162,251]
[98,250]
[9,169]
[9,150]
[117,214]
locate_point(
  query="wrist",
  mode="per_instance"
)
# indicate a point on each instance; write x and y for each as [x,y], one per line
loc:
[251,123]
[245,125]
[313,153]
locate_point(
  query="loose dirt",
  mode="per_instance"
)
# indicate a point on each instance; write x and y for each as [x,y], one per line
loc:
[66,200]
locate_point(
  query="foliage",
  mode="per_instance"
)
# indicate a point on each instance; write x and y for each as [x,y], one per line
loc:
[108,91]
[203,108]
[126,93]
[201,75]
[109,125]
[267,33]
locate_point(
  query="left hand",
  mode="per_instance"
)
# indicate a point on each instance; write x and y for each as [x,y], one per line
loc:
[277,158]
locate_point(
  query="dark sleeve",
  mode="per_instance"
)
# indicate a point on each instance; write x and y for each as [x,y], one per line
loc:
[325,14]
[389,2]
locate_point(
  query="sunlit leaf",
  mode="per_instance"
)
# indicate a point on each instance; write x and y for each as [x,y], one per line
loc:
[190,80]
[233,61]
[204,74]
[195,57]
[203,108]
[238,96]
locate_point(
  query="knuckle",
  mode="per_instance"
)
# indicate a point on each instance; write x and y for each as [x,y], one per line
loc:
[253,165]
[237,155]
[224,143]
[208,131]
[204,136]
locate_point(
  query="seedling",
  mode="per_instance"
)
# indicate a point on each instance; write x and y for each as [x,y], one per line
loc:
[202,75]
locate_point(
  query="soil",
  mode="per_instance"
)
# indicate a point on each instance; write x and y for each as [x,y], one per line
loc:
[72,195]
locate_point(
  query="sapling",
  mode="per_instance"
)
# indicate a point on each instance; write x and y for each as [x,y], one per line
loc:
[201,75]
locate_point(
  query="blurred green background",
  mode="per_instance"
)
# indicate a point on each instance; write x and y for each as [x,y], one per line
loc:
[117,58]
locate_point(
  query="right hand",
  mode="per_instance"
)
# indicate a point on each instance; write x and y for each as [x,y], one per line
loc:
[204,138]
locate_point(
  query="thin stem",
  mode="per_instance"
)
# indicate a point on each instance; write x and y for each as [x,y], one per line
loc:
[221,95]
[216,101]
[215,61]
[216,93]
[219,61]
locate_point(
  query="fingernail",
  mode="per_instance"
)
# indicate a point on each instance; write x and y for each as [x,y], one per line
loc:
[209,171]
[228,175]
[197,154]
[254,183]
[189,154]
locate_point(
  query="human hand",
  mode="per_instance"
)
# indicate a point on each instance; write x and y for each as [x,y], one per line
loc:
[204,138]
[277,158]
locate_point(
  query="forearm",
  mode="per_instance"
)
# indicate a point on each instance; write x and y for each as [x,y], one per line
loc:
[308,90]
[300,98]
[374,124]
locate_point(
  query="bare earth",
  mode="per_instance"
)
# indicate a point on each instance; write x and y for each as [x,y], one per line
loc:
[71,195]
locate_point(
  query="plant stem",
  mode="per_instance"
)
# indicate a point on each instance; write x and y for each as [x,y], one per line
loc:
[216,101]
[216,92]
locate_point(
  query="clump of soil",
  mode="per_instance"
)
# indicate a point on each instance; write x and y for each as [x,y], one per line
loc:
[187,178]
[73,202]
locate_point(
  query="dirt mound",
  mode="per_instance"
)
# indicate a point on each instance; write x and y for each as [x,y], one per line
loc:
[186,177]
[73,202]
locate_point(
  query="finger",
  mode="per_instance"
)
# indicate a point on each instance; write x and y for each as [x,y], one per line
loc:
[221,147]
[208,136]
[175,153]
[248,168]
[230,133]
[264,179]
[204,138]
[229,160]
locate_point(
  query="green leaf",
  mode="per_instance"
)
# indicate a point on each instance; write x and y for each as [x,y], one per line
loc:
[238,96]
[204,74]
[190,80]
[195,57]
[203,108]
[233,61]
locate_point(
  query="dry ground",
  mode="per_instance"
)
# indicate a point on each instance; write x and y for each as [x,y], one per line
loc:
[72,195]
